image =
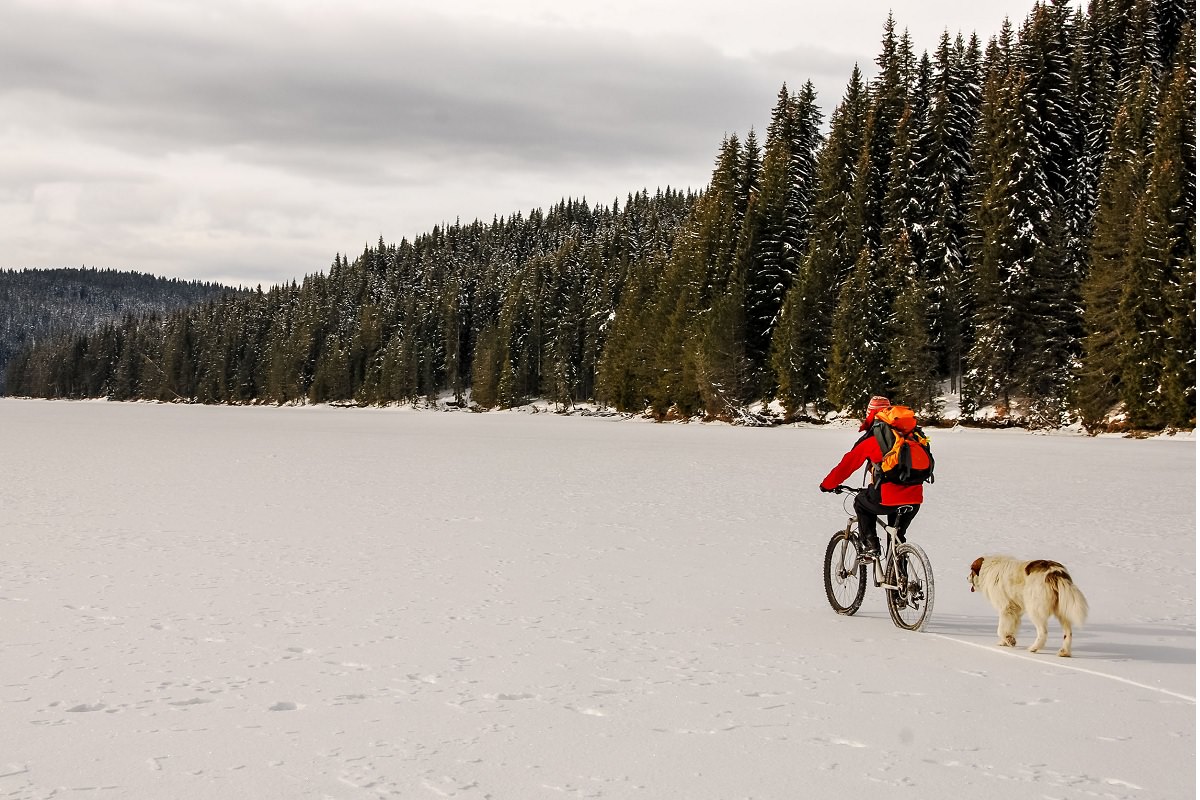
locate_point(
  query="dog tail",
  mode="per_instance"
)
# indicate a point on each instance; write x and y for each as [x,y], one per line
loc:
[1072,605]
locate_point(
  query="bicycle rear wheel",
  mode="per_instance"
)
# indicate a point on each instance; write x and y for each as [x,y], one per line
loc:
[911,605]
[845,577]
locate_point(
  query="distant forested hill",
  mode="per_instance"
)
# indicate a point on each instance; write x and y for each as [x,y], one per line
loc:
[37,305]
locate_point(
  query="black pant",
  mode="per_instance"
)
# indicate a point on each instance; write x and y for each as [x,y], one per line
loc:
[868,507]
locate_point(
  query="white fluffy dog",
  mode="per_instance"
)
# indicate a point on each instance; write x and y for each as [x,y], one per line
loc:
[1040,587]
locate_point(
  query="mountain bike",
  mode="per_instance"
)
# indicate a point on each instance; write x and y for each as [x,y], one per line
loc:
[902,571]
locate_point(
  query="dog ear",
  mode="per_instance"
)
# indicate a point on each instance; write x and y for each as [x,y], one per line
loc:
[976,565]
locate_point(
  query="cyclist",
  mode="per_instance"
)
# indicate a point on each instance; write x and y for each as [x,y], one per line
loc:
[899,503]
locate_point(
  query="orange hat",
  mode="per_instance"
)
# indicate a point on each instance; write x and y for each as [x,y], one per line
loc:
[877,404]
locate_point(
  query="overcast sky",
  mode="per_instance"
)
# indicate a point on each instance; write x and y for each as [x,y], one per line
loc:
[249,141]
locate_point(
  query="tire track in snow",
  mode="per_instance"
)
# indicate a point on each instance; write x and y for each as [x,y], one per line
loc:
[1060,665]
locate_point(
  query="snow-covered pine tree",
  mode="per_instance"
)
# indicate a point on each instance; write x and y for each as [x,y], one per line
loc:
[1098,384]
[911,359]
[954,111]
[889,96]
[858,359]
[1011,219]
[800,347]
[1158,371]
[780,233]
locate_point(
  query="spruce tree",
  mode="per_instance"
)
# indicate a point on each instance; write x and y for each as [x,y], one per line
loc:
[701,269]
[954,110]
[779,235]
[911,359]
[772,252]
[1012,197]
[858,358]
[723,372]
[889,97]
[625,369]
[1097,103]
[1157,373]
[1098,386]
[801,342]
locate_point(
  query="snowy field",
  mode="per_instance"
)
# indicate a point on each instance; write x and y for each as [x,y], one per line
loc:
[213,602]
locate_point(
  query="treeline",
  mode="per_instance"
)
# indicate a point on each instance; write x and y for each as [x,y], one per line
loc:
[531,296]
[39,304]
[1015,220]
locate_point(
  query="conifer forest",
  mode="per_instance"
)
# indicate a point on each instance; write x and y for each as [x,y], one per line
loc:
[1012,221]
[37,304]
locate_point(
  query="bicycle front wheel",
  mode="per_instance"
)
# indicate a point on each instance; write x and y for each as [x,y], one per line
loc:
[911,604]
[845,576]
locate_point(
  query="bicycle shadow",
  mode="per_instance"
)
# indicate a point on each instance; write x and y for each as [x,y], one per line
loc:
[1101,642]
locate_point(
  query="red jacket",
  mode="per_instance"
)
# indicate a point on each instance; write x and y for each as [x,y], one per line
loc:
[891,494]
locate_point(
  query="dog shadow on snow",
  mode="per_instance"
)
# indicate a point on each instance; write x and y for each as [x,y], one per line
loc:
[1095,642]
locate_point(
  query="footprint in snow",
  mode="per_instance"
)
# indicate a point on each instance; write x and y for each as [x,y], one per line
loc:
[86,707]
[589,712]
[838,740]
[194,701]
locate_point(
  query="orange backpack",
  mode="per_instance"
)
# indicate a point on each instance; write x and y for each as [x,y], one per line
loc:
[907,459]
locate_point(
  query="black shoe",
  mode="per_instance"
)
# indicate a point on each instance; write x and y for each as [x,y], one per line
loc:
[871,548]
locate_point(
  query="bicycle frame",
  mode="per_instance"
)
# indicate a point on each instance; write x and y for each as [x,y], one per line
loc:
[881,570]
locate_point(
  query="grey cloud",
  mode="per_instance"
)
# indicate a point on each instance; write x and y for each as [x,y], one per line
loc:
[184,141]
[361,100]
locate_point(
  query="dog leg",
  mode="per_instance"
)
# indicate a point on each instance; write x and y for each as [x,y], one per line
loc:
[1065,652]
[1010,620]
[1041,621]
[1005,640]
[1041,641]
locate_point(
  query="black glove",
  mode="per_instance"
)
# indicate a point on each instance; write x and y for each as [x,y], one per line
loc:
[823,489]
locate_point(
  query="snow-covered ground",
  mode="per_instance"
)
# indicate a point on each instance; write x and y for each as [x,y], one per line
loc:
[215,602]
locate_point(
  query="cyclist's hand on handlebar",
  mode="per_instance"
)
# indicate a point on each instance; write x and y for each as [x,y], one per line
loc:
[835,490]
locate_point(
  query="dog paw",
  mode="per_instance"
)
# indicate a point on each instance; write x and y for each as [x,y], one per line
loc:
[1065,653]
[1033,648]
[1009,642]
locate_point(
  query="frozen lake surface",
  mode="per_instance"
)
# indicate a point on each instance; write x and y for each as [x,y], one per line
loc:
[214,602]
